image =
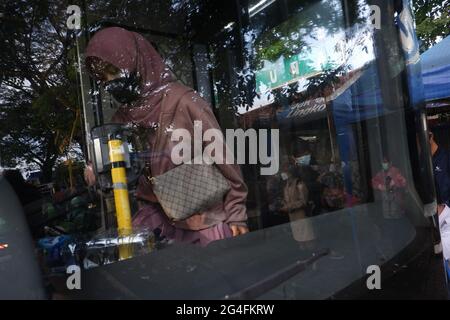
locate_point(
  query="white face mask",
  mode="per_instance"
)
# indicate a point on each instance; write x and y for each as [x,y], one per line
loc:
[284,176]
[303,160]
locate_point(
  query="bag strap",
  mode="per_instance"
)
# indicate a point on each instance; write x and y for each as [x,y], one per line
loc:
[149,171]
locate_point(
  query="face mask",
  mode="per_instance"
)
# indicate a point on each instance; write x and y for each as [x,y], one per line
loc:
[284,176]
[385,166]
[334,202]
[124,89]
[303,160]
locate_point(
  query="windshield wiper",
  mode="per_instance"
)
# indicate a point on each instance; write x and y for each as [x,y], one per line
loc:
[275,279]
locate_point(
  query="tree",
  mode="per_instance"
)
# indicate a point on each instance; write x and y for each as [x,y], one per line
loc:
[39,109]
[432,21]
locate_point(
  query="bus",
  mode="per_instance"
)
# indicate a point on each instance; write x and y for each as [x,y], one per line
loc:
[335,85]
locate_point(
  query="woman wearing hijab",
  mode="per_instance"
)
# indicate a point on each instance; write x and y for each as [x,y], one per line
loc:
[133,72]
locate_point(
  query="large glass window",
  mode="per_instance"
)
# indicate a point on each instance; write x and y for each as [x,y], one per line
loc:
[331,170]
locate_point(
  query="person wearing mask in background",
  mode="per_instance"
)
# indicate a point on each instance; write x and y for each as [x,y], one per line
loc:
[303,163]
[152,99]
[296,196]
[389,187]
[390,183]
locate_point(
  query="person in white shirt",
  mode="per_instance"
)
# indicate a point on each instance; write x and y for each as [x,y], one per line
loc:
[444,226]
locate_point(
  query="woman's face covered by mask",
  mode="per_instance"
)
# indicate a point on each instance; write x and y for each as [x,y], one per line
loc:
[141,72]
[125,88]
[304,160]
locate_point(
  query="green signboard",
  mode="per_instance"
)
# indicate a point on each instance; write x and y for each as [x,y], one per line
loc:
[286,70]
[294,50]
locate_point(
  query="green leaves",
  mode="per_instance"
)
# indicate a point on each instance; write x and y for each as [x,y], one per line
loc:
[432,21]
[38,84]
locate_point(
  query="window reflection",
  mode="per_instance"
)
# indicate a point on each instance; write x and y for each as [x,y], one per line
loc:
[307,70]
[352,175]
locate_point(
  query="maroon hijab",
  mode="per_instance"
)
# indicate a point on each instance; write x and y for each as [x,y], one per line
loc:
[130,52]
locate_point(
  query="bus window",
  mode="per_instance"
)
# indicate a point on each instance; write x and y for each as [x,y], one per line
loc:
[303,78]
[303,118]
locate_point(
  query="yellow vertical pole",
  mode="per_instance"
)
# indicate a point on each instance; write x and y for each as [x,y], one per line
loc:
[121,199]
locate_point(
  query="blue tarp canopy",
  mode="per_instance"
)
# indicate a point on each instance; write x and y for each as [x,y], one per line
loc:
[436,71]
[361,100]
[358,99]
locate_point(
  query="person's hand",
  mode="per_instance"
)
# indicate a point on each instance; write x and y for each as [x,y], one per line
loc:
[238,229]
[440,208]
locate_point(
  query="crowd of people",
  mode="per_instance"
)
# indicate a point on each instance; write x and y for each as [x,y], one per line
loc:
[303,190]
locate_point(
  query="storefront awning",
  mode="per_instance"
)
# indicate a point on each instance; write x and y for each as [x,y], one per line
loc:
[436,71]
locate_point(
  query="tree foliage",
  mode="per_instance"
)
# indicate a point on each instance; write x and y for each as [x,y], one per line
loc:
[432,21]
[39,109]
